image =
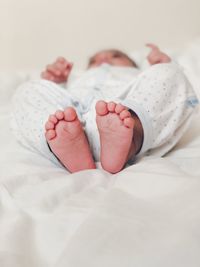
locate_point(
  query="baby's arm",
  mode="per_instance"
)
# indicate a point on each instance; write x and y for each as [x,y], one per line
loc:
[156,56]
[58,71]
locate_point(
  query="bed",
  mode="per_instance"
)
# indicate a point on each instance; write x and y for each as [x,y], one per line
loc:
[146,215]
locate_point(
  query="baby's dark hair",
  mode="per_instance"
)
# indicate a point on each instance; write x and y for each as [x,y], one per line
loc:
[125,55]
[114,51]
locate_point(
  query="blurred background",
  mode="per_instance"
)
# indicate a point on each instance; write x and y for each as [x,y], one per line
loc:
[35,32]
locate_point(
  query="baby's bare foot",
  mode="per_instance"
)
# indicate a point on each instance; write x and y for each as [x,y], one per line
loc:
[67,140]
[115,126]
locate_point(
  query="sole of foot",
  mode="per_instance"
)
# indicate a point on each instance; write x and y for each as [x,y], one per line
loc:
[115,126]
[67,140]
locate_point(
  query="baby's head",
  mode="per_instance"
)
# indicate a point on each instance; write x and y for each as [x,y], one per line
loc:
[113,57]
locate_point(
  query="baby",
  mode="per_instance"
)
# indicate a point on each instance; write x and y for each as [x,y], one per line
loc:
[112,113]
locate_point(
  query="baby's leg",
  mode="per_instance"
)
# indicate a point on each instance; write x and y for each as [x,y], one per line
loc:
[116,128]
[164,100]
[67,140]
[31,106]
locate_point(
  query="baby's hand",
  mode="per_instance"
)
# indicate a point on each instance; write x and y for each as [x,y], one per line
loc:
[156,56]
[58,71]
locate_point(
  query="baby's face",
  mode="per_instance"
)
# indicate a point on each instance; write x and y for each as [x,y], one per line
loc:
[112,57]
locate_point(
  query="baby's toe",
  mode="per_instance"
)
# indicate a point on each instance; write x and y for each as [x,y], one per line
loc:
[49,125]
[101,108]
[53,119]
[50,135]
[124,114]
[111,106]
[119,108]
[70,114]
[59,114]
[129,122]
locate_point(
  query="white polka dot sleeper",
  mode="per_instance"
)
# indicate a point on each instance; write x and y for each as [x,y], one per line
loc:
[161,96]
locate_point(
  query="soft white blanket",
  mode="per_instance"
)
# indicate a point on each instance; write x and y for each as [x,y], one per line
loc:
[147,215]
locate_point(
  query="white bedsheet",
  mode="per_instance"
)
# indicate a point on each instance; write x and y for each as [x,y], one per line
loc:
[147,215]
